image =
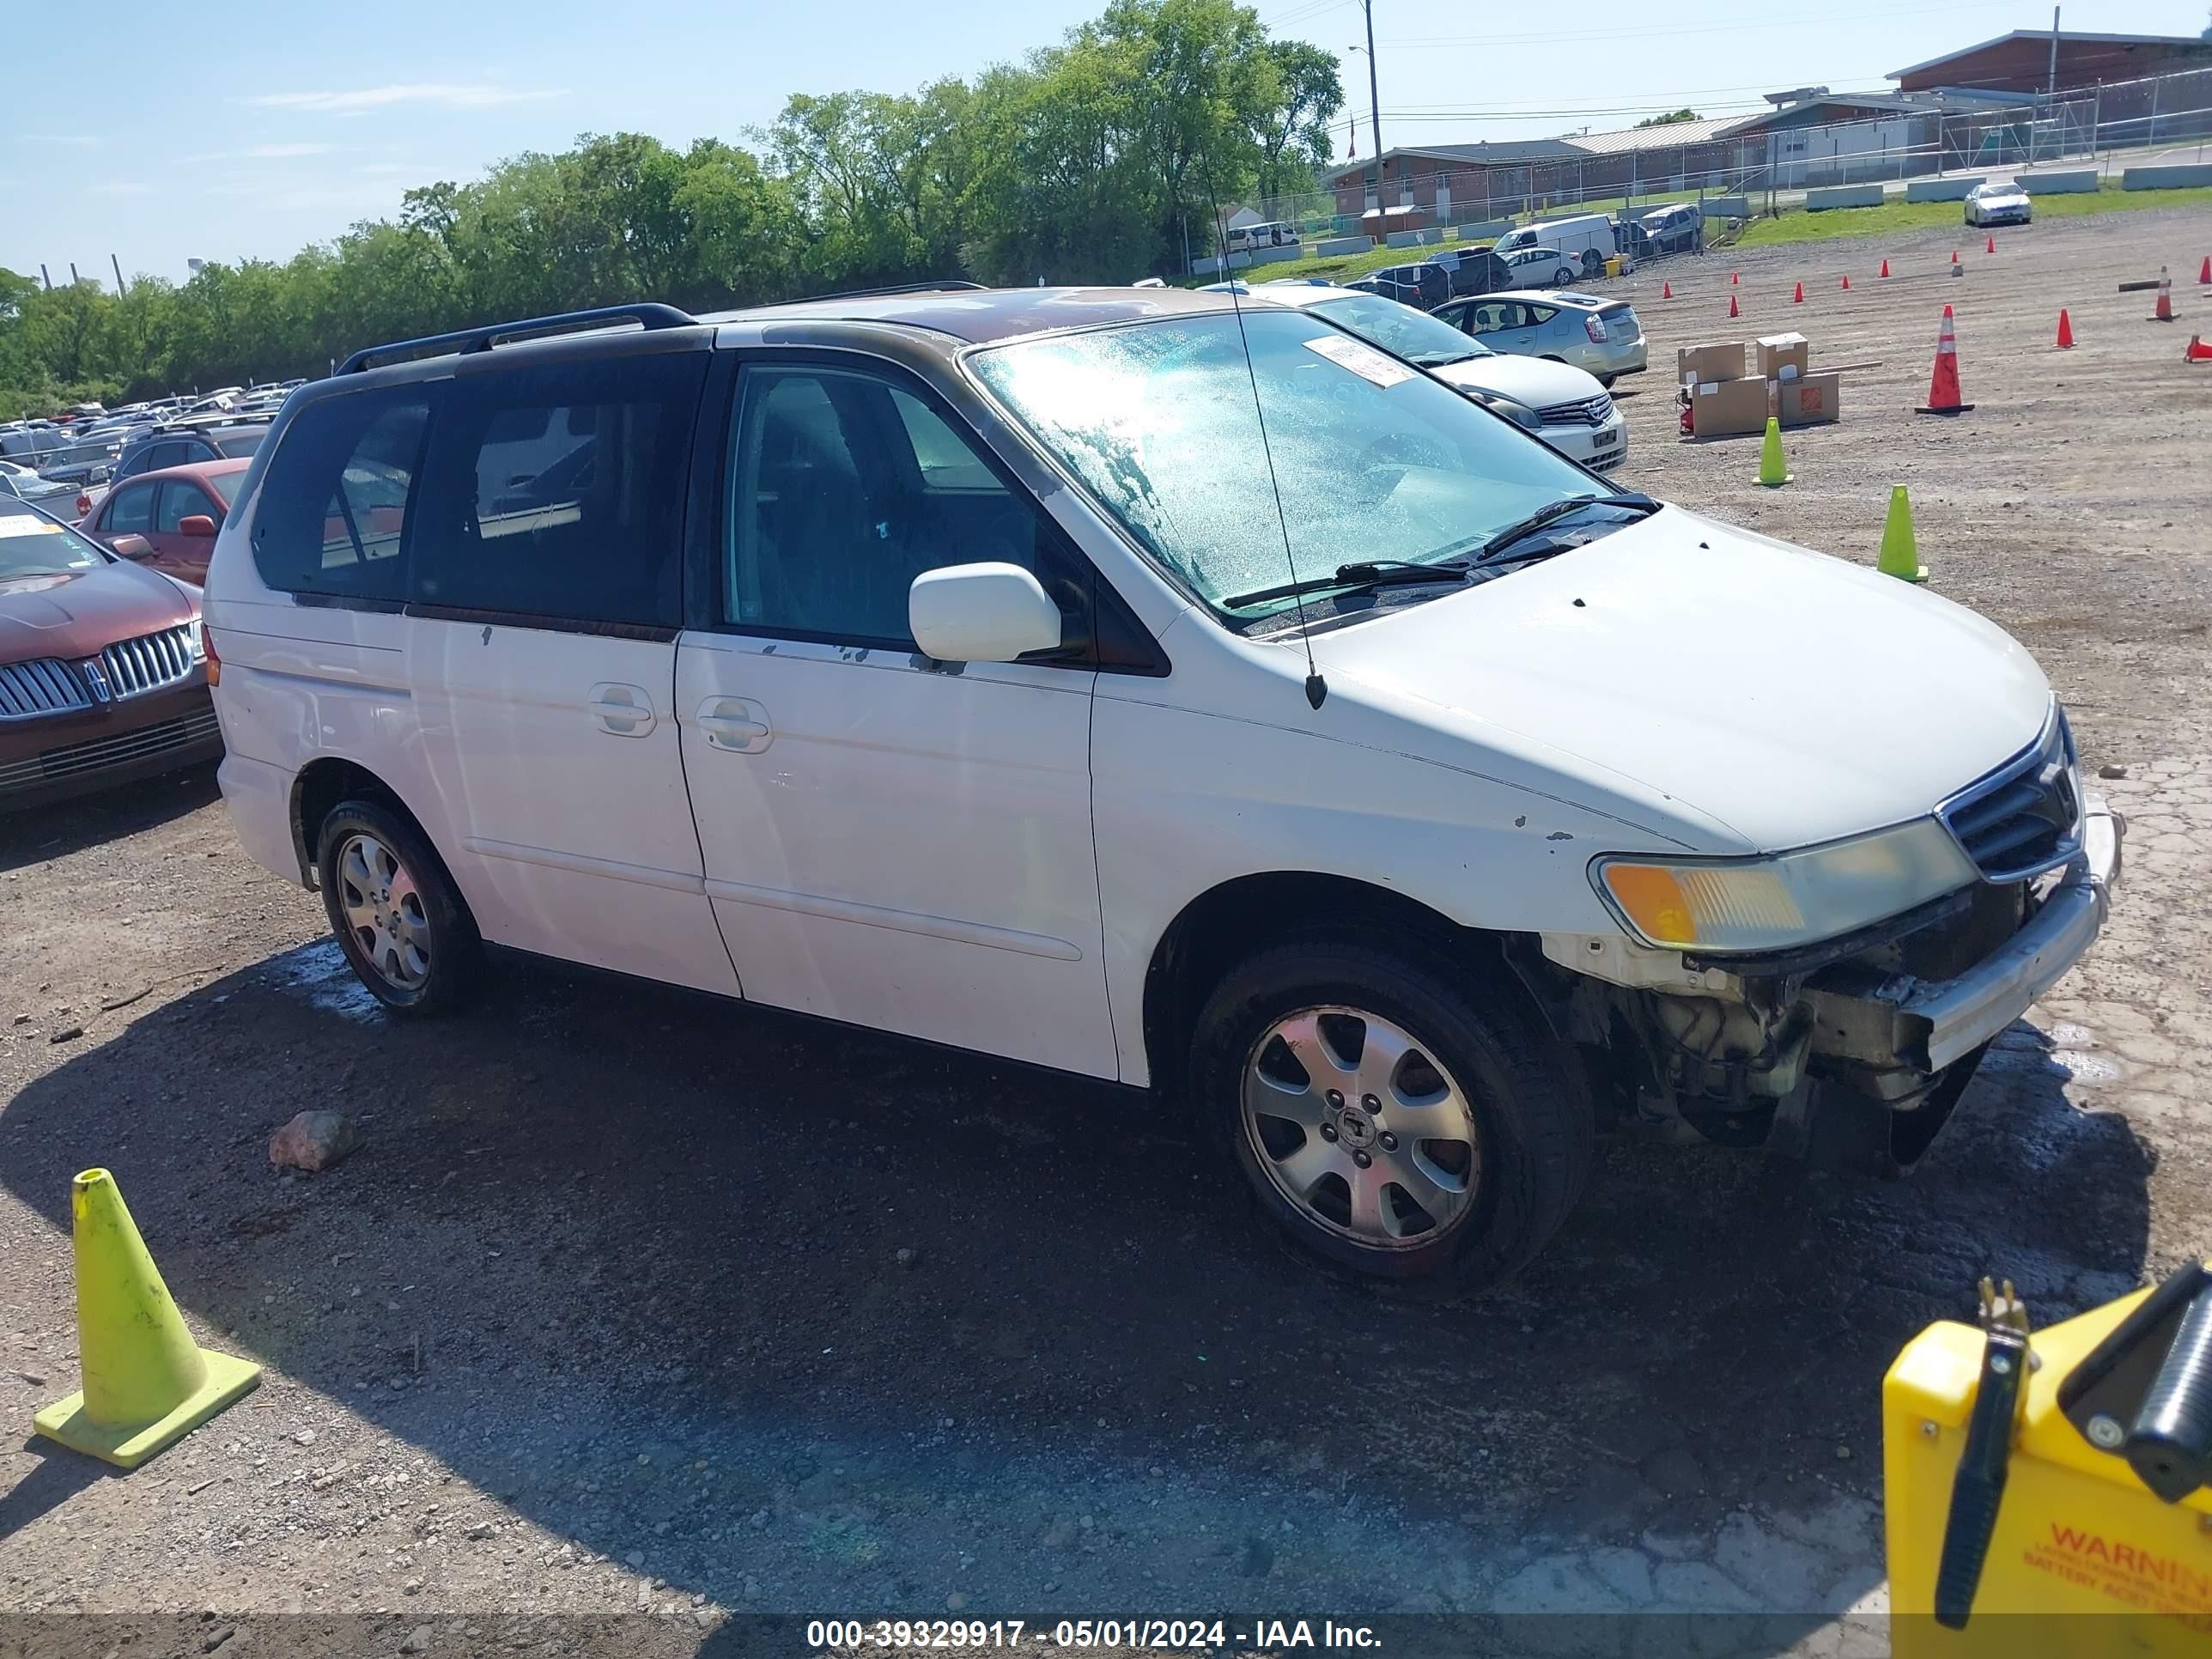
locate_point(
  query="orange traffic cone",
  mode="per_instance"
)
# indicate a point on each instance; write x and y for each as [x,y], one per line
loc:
[1847,284]
[2196,351]
[1666,290]
[1735,278]
[2165,312]
[1732,310]
[2204,270]
[1885,267]
[1798,298]
[1957,270]
[2065,332]
[1943,384]
[1992,248]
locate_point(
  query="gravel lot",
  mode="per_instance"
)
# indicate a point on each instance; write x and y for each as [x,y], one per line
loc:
[610,1315]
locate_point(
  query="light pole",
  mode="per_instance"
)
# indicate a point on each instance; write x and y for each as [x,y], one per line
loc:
[1374,97]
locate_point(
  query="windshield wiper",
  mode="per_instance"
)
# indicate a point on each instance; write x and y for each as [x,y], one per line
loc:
[1552,511]
[1361,574]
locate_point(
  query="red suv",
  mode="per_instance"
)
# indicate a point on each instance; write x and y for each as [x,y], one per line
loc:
[169,518]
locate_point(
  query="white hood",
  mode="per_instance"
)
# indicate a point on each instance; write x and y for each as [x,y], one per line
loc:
[1529,381]
[1793,697]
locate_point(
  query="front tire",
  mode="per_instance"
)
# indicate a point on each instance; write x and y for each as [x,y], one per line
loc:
[403,925]
[1398,1115]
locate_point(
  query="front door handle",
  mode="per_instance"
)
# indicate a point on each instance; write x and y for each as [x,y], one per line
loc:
[621,711]
[737,724]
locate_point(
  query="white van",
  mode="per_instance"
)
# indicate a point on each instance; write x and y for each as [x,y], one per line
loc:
[1243,238]
[1586,238]
[917,661]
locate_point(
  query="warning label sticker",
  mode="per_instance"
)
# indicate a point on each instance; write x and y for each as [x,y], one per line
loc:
[2128,1573]
[1362,359]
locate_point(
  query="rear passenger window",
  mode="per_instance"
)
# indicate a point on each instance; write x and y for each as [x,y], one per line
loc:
[334,503]
[558,491]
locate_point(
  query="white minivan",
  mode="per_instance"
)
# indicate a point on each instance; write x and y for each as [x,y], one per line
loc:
[1158,687]
[1585,238]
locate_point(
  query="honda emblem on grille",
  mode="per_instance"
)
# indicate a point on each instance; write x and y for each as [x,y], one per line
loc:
[96,677]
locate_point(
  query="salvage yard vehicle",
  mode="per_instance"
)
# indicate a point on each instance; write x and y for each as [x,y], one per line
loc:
[1998,202]
[1560,404]
[101,681]
[1163,687]
[168,519]
[1602,336]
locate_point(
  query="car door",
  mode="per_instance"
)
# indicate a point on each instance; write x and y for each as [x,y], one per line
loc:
[898,842]
[545,547]
[1504,325]
[175,553]
[128,511]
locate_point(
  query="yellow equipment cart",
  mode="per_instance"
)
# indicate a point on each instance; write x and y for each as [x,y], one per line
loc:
[2046,1492]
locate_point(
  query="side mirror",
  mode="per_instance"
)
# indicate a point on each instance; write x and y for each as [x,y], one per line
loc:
[980,613]
[196,524]
[131,547]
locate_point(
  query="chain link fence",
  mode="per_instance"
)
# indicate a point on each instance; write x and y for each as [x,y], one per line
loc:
[1623,172]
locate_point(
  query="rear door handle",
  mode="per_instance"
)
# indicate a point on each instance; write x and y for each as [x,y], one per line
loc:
[621,711]
[737,724]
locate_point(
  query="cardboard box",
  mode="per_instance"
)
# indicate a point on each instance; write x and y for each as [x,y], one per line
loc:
[1710,362]
[1812,400]
[1780,352]
[1725,408]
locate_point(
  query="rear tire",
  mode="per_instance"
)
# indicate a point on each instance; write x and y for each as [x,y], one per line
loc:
[1478,1136]
[403,925]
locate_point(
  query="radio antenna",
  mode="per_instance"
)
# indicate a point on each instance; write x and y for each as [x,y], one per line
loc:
[1316,687]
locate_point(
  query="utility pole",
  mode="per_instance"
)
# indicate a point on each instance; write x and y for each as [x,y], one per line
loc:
[1375,97]
[118,264]
[2052,89]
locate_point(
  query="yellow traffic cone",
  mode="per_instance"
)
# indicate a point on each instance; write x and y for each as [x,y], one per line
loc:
[1773,469]
[145,1381]
[1900,552]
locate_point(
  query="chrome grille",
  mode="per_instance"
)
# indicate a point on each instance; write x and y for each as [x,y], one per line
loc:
[148,662]
[2025,817]
[79,759]
[29,689]
[1595,411]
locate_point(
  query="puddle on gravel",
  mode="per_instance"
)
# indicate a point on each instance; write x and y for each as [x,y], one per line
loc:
[320,974]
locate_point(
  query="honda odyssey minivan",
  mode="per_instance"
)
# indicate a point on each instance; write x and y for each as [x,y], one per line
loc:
[1158,687]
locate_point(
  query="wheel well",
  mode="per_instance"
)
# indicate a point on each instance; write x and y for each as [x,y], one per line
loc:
[319,788]
[1221,927]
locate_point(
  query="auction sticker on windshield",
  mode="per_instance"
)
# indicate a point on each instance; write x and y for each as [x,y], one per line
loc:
[1362,359]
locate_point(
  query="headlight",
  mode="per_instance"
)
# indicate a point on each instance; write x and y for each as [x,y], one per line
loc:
[1519,414]
[1792,898]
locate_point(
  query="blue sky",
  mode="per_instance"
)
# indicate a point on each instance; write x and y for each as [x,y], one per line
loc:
[254,128]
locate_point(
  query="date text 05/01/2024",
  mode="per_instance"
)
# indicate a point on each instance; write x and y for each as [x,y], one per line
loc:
[1166,1635]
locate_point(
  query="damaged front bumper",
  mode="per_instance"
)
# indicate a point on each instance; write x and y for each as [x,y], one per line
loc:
[1900,1025]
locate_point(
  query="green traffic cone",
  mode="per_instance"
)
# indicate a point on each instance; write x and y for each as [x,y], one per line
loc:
[1773,469]
[1900,553]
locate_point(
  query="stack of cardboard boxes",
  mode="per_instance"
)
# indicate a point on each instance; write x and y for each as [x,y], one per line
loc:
[1724,402]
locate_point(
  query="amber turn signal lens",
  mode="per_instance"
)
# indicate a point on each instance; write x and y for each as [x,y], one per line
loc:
[1654,901]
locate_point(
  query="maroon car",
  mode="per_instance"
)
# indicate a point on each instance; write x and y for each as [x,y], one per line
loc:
[174,514]
[101,674]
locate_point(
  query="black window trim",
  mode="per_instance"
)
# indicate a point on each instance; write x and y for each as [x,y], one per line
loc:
[704,609]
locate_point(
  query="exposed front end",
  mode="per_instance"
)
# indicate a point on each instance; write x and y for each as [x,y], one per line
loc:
[1851,1051]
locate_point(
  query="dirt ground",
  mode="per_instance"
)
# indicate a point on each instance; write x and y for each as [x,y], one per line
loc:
[609,1316]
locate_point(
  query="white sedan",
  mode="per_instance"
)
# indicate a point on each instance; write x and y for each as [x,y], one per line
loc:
[2005,204]
[1564,406]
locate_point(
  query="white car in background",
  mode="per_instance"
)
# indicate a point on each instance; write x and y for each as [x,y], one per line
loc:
[1561,404]
[1999,204]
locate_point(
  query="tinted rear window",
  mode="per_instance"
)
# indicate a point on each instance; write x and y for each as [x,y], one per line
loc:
[558,490]
[334,503]
[237,445]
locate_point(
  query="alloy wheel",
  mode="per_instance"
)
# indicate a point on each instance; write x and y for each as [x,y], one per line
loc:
[383,912]
[1360,1128]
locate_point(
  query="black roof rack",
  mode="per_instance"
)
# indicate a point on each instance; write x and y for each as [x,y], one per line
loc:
[942,285]
[483,339]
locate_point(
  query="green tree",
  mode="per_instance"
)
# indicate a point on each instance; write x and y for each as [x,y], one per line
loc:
[1673,118]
